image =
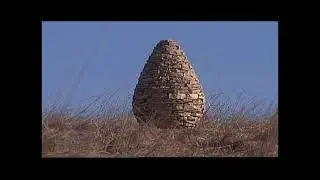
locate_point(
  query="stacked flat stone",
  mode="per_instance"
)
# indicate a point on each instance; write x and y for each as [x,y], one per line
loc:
[168,93]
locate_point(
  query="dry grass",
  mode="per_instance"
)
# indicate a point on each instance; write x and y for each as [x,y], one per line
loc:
[124,137]
[238,128]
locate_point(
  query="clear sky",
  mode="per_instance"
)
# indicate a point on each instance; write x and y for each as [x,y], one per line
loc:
[232,57]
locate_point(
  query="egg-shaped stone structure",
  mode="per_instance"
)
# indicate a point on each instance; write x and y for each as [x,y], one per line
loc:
[168,93]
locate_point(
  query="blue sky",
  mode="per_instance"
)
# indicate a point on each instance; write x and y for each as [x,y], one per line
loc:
[232,57]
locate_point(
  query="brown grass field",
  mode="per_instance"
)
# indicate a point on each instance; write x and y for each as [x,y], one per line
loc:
[235,134]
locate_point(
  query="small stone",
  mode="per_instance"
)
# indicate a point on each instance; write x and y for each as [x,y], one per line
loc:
[188,107]
[179,107]
[201,95]
[181,96]
[198,114]
[193,96]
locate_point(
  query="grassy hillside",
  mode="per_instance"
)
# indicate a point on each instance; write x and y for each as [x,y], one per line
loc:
[236,130]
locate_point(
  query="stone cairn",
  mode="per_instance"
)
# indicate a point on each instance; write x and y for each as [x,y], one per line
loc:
[168,93]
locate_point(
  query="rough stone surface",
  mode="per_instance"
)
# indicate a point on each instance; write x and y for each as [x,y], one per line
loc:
[168,93]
